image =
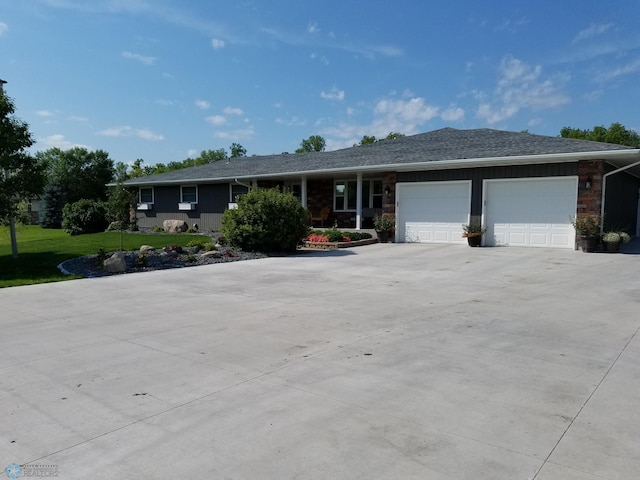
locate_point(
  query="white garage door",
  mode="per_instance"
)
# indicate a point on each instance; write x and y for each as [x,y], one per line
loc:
[433,212]
[530,212]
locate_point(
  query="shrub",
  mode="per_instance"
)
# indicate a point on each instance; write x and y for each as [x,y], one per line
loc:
[84,216]
[266,221]
[157,229]
[198,242]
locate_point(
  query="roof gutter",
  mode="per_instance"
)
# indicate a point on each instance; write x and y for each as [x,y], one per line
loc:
[604,189]
[429,165]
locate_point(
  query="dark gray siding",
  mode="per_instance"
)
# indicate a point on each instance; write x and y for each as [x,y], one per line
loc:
[621,202]
[212,201]
[477,175]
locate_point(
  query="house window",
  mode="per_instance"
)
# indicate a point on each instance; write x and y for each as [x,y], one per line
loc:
[145,195]
[189,194]
[237,191]
[345,193]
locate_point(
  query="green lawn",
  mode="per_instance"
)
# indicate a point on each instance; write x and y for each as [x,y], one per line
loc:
[41,250]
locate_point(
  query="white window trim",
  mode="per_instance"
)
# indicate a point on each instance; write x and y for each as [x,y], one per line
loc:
[231,185]
[182,195]
[346,183]
[153,194]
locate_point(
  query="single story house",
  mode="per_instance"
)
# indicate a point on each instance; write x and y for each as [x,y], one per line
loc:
[524,188]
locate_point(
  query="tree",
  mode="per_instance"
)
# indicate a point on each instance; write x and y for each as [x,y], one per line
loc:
[79,172]
[237,150]
[21,176]
[54,201]
[315,143]
[616,133]
[121,209]
[368,140]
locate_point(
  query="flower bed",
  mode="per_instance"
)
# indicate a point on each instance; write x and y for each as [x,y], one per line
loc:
[333,239]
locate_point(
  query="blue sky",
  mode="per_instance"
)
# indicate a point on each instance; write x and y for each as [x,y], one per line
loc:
[164,79]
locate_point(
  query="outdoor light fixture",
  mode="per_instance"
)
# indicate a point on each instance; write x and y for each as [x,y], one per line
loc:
[387,191]
[587,183]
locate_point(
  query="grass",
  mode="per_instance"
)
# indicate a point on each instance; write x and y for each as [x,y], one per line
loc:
[41,250]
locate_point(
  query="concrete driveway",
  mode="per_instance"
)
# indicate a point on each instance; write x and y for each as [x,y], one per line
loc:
[381,362]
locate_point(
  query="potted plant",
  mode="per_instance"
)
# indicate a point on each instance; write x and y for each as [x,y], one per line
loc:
[473,233]
[613,239]
[587,228]
[385,225]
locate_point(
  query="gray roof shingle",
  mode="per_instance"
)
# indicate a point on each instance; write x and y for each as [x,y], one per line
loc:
[435,146]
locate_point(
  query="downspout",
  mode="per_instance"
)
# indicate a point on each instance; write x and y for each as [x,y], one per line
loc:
[604,189]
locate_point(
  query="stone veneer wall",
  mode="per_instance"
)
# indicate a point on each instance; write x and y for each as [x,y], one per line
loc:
[389,201]
[590,201]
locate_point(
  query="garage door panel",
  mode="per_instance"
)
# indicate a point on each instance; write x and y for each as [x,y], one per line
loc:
[530,212]
[433,212]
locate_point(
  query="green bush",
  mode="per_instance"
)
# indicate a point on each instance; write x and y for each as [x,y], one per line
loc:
[266,221]
[84,216]
[157,229]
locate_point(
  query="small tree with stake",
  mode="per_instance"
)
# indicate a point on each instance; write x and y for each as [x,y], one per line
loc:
[21,178]
[121,202]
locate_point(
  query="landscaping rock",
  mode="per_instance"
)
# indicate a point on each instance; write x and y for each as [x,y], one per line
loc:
[146,248]
[116,263]
[175,226]
[211,254]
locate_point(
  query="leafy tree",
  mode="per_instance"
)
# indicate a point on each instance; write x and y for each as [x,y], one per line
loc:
[79,172]
[315,143]
[616,133]
[21,176]
[266,221]
[237,150]
[368,140]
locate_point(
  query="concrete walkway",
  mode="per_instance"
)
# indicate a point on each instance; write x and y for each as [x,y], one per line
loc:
[379,362]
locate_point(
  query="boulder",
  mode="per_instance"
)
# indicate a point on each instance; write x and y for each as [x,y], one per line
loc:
[146,248]
[116,263]
[175,226]
[211,253]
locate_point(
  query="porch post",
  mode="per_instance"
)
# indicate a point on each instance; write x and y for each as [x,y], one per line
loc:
[358,200]
[303,191]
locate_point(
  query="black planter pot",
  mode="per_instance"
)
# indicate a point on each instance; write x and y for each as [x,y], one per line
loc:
[474,241]
[611,247]
[588,244]
[384,236]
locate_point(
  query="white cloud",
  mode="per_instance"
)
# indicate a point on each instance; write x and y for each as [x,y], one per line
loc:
[519,87]
[312,28]
[128,131]
[139,58]
[4,29]
[164,102]
[202,104]
[60,142]
[217,44]
[592,30]
[147,134]
[627,69]
[334,94]
[406,116]
[236,135]
[44,113]
[452,114]
[322,59]
[122,131]
[291,122]
[76,118]
[217,120]
[233,111]
[192,152]
[403,116]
